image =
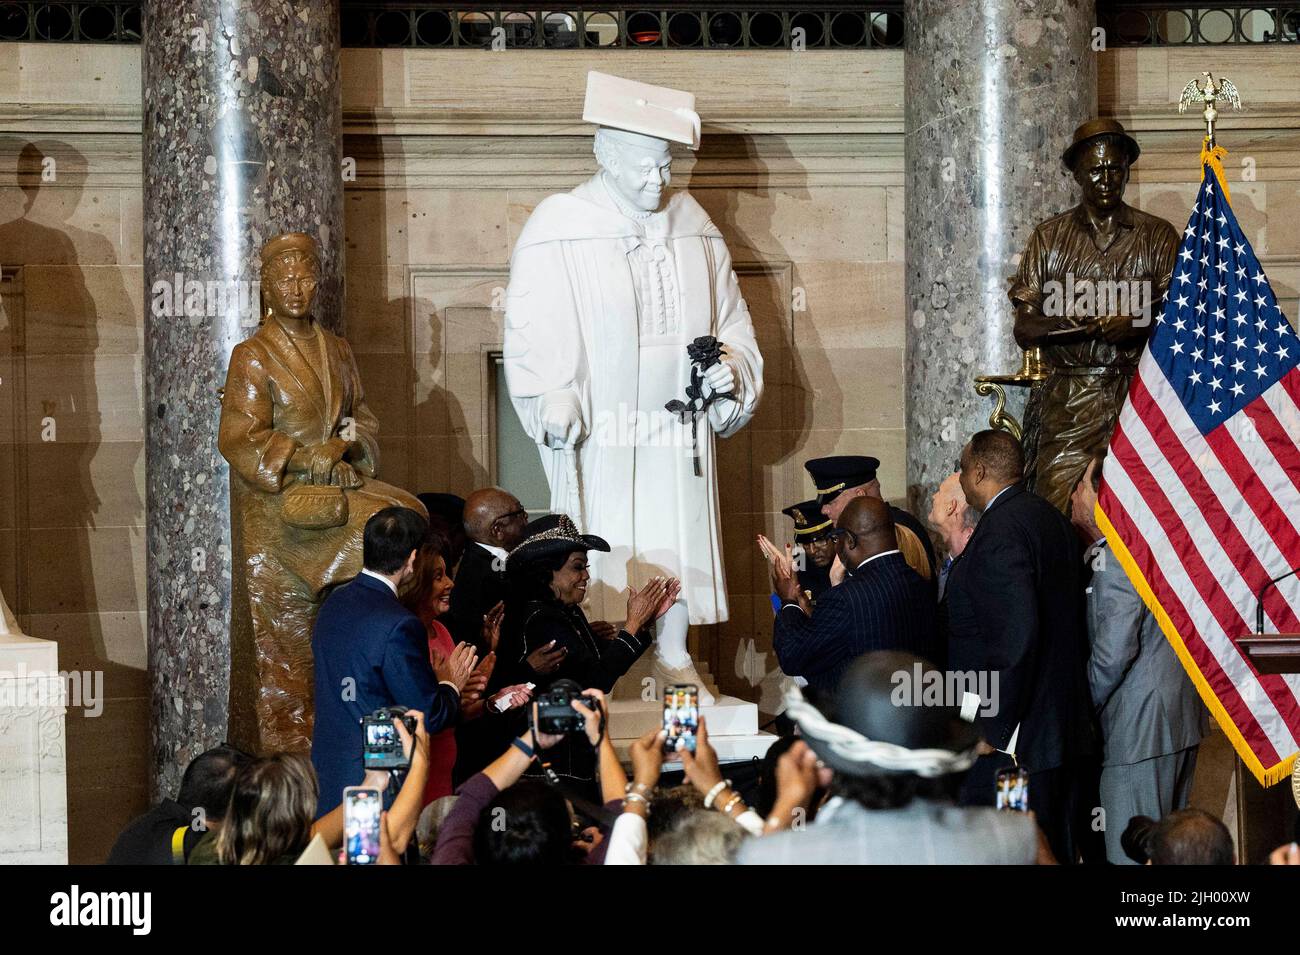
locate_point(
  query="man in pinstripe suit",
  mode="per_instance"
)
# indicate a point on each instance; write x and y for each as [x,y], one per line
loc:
[883,604]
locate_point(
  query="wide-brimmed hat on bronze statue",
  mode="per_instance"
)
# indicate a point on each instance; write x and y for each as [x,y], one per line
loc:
[881,721]
[1091,130]
[553,534]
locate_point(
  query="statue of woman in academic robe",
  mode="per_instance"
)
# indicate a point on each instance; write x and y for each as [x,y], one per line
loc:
[303,453]
[610,284]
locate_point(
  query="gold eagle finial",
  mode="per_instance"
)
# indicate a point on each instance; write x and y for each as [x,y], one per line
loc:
[1224,90]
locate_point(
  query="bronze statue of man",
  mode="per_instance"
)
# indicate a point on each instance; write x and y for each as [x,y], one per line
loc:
[1090,284]
[303,457]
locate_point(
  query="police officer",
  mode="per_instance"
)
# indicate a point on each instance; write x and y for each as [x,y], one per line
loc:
[812,536]
[842,477]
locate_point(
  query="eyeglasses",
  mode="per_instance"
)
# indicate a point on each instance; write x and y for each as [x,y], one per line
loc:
[843,533]
[512,515]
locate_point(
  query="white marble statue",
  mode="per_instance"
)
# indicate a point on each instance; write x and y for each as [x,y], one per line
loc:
[609,283]
[8,623]
[33,760]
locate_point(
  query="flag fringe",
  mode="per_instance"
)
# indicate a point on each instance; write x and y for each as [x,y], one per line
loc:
[1267,776]
[1214,159]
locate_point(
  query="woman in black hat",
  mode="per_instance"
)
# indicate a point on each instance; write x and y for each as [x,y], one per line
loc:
[546,637]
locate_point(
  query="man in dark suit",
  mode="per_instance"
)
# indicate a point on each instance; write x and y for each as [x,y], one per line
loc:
[1014,609]
[883,604]
[494,523]
[370,652]
[843,477]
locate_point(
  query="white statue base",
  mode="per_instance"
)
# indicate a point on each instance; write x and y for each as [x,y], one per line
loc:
[732,722]
[33,770]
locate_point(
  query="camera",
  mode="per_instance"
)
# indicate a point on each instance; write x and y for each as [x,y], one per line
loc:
[381,744]
[555,714]
[1136,839]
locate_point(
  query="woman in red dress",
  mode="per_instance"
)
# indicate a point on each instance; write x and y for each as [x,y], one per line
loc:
[429,597]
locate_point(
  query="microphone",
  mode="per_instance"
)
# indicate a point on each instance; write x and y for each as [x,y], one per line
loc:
[1259,597]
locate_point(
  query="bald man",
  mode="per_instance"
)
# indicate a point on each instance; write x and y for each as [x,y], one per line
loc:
[494,523]
[953,519]
[883,604]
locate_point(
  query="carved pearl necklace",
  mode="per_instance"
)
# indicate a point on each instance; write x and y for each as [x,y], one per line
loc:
[618,200]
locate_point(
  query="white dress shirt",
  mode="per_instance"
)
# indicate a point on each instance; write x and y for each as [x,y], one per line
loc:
[500,553]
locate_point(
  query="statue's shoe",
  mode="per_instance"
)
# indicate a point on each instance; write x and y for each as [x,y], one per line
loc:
[665,675]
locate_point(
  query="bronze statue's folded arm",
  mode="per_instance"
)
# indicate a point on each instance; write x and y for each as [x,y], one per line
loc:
[247,438]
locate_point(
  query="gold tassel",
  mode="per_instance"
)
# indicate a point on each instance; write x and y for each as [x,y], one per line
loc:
[1214,159]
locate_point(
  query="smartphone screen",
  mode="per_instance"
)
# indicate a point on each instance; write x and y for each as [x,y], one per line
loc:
[1012,789]
[681,716]
[361,809]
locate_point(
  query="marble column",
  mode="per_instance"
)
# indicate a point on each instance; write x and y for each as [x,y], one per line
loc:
[242,141]
[993,91]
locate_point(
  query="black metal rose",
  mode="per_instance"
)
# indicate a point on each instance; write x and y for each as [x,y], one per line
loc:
[704,353]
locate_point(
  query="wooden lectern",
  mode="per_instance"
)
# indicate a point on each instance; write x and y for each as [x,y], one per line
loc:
[1272,653]
[1265,816]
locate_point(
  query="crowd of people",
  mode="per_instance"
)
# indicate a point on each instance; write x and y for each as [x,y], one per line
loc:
[920,686]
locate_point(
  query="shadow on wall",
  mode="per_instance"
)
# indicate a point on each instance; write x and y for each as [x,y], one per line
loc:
[73,511]
[402,371]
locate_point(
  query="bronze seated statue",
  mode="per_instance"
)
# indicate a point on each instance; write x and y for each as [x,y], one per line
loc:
[303,453]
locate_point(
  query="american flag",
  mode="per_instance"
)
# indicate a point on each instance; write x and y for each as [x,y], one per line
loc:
[1200,495]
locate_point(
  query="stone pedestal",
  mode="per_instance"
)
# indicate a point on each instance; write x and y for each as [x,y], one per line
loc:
[732,722]
[992,93]
[33,774]
[242,141]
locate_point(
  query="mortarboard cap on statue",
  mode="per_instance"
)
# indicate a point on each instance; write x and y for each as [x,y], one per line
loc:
[658,111]
[839,473]
[809,522]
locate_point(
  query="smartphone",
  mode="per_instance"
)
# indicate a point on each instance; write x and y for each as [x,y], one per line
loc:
[361,809]
[1012,789]
[681,716]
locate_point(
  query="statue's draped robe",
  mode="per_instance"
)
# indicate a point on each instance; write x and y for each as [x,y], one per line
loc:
[1072,413]
[283,393]
[599,311]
